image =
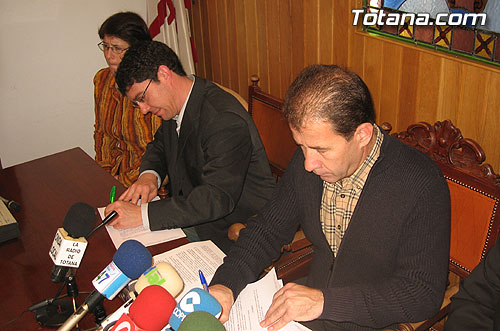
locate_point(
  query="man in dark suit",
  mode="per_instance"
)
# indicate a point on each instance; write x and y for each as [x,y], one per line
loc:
[207,144]
[476,306]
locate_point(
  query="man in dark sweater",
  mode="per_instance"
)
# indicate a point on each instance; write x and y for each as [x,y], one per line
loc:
[377,212]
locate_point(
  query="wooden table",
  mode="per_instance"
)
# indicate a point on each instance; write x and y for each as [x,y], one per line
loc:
[46,188]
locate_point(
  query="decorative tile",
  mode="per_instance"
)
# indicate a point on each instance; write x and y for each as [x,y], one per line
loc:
[406,30]
[484,45]
[497,50]
[442,36]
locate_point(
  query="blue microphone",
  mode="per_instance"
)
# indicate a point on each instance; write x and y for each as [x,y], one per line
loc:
[130,261]
[195,300]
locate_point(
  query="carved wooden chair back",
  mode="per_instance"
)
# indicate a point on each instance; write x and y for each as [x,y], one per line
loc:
[272,126]
[475,194]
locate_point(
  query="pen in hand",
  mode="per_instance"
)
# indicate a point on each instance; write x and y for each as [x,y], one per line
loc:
[203,280]
[112,194]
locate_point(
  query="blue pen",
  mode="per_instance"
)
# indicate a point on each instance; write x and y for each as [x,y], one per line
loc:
[203,280]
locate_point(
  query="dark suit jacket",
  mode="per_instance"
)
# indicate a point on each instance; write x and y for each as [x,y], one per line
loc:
[217,167]
[476,306]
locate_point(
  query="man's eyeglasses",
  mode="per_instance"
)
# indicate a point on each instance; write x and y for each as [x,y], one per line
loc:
[139,101]
[115,49]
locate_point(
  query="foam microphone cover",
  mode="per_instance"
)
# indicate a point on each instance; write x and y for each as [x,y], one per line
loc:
[195,300]
[201,321]
[152,308]
[132,258]
[162,274]
[79,220]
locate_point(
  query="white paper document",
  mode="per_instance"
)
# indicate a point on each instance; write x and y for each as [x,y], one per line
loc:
[146,237]
[189,258]
[252,303]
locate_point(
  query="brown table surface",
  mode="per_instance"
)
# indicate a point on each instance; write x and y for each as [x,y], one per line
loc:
[46,188]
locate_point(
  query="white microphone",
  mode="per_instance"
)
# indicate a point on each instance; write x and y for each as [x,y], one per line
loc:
[162,274]
[130,260]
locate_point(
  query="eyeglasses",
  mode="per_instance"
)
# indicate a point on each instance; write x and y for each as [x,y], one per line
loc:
[115,49]
[136,103]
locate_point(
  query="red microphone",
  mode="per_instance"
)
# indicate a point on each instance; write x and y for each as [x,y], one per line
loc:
[150,311]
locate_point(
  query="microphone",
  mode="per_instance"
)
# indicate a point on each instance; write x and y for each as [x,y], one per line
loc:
[69,245]
[201,321]
[195,300]
[11,204]
[105,221]
[111,319]
[152,308]
[130,260]
[162,274]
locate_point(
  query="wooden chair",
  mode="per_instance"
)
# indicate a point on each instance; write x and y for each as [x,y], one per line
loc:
[280,146]
[475,194]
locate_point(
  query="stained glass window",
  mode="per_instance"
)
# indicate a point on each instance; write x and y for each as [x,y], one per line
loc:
[469,28]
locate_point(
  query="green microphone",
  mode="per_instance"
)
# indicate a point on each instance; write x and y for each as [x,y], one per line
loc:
[201,321]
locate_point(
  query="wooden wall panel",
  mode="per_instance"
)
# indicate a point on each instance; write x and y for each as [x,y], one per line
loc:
[427,94]
[275,39]
[325,41]
[490,141]
[297,37]
[285,43]
[241,48]
[233,43]
[391,80]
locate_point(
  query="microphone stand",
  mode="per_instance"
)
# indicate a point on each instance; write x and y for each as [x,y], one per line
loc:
[99,313]
[54,312]
[72,290]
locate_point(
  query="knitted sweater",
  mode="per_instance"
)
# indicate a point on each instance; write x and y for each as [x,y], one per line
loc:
[392,263]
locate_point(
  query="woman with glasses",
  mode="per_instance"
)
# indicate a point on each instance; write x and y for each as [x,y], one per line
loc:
[121,130]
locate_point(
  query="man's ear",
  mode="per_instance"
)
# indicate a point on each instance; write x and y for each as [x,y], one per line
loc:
[364,133]
[164,72]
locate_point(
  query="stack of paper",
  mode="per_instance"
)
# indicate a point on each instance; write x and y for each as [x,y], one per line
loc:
[252,303]
[146,237]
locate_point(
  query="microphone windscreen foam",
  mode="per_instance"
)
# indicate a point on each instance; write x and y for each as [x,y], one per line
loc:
[162,274]
[79,220]
[194,300]
[201,321]
[151,310]
[132,258]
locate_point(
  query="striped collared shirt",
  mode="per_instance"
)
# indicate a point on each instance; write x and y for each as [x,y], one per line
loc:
[339,199]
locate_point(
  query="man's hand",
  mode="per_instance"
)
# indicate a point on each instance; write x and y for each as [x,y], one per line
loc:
[293,302]
[129,215]
[144,188]
[225,297]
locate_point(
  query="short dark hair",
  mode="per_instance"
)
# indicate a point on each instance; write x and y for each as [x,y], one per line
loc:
[127,26]
[141,62]
[329,93]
